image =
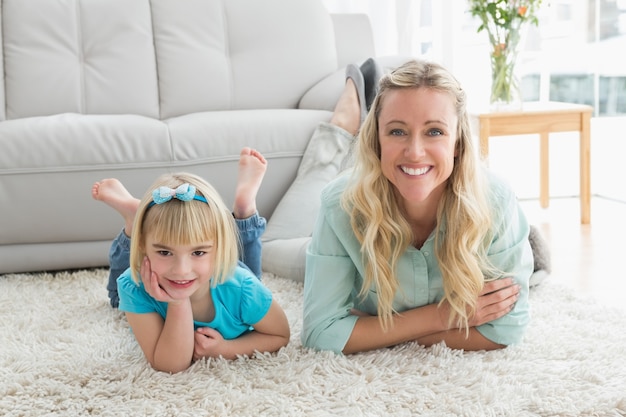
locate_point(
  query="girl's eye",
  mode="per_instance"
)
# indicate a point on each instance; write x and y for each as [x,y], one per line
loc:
[199,253]
[163,252]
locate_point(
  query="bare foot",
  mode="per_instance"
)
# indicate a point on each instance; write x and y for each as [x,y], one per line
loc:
[113,193]
[347,113]
[252,166]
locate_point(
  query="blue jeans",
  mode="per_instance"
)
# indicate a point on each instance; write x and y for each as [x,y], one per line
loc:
[250,231]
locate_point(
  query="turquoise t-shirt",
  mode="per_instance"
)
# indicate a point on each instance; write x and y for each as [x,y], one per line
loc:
[335,271]
[240,302]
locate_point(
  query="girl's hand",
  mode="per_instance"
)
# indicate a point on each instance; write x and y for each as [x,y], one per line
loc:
[151,283]
[496,300]
[208,343]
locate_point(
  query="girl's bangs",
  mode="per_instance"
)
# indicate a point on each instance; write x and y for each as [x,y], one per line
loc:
[180,223]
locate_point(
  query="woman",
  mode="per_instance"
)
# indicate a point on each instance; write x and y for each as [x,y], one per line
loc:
[419,242]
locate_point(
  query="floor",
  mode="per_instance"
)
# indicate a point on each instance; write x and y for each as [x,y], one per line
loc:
[587,258]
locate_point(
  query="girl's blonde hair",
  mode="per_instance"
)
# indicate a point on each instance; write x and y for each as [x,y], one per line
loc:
[178,222]
[464,211]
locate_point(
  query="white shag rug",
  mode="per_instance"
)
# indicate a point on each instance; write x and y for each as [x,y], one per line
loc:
[65,352]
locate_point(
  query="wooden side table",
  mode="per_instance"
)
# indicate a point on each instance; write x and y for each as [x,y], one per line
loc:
[544,118]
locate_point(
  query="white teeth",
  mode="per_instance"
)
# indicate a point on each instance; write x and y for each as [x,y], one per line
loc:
[181,282]
[417,171]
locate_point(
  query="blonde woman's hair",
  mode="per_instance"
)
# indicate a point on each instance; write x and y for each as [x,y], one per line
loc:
[178,222]
[464,211]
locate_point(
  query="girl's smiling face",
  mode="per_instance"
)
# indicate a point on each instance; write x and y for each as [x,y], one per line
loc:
[417,133]
[181,269]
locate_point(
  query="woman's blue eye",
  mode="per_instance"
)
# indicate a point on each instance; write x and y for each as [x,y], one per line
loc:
[435,132]
[396,132]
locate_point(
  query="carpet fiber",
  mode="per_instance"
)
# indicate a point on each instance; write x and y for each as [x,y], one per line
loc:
[65,352]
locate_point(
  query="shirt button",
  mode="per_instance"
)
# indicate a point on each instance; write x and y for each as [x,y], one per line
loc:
[426,253]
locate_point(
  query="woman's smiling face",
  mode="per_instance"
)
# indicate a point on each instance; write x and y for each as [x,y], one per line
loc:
[417,130]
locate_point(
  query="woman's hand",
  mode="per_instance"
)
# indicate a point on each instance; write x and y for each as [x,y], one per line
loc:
[208,343]
[496,300]
[151,283]
[359,313]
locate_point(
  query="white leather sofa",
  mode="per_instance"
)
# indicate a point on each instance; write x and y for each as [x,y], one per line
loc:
[134,88]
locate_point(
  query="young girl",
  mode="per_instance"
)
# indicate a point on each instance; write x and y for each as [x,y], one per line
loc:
[184,293]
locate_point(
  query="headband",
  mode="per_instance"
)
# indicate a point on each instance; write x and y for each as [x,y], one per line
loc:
[184,192]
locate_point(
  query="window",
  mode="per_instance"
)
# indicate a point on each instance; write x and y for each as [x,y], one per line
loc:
[574,54]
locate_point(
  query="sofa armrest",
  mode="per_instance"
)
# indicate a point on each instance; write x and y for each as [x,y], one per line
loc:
[354,38]
[325,93]
[354,41]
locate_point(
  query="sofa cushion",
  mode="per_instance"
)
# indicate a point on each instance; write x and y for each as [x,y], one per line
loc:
[69,152]
[212,142]
[66,153]
[73,62]
[286,257]
[69,141]
[324,157]
[206,137]
[240,54]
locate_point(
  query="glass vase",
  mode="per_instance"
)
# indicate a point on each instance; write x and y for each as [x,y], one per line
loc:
[505,84]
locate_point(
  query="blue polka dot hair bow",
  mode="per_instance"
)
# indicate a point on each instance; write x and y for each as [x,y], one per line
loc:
[184,192]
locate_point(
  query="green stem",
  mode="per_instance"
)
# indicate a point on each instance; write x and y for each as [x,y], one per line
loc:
[504,87]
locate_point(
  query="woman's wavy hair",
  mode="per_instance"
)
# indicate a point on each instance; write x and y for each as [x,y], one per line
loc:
[463,229]
[178,222]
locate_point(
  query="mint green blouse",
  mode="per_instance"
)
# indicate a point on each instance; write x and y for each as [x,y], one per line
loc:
[334,272]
